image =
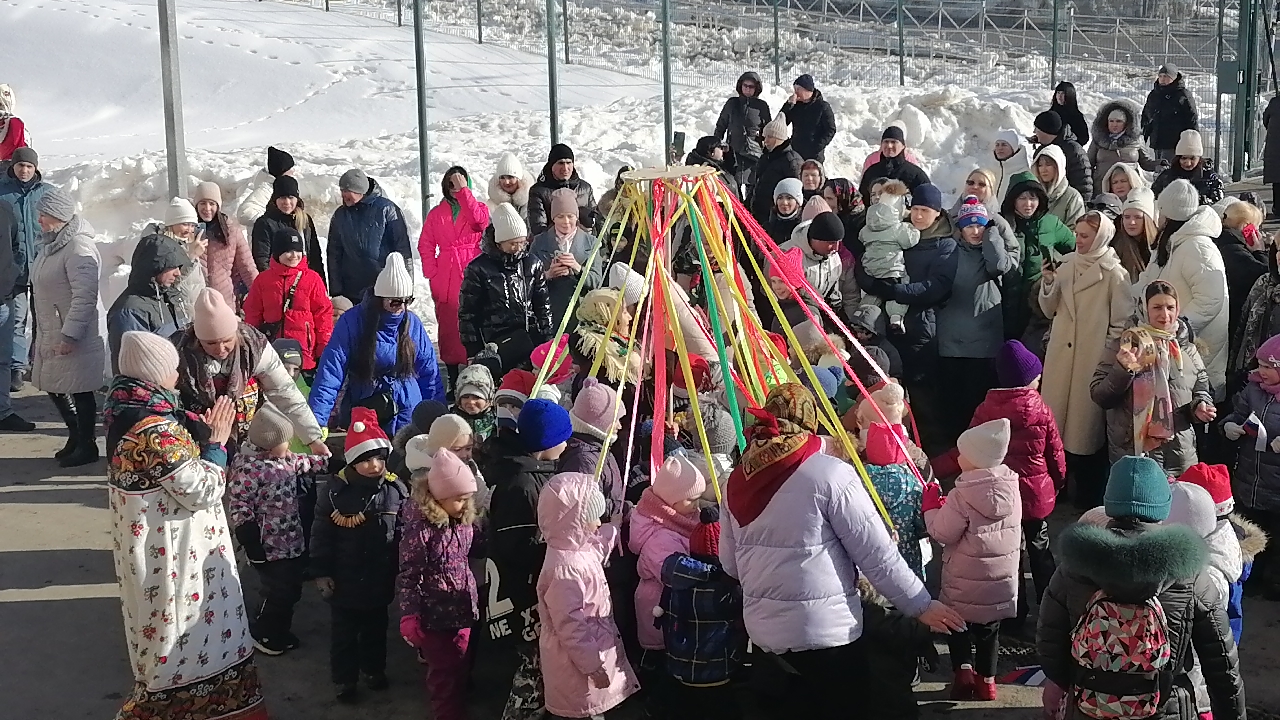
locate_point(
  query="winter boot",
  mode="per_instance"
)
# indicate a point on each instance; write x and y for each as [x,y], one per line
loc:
[86,451]
[68,413]
[984,688]
[962,685]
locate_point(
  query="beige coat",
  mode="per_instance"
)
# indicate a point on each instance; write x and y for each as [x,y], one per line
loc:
[1086,311]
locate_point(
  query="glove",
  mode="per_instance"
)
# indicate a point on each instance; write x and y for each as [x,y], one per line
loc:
[1232,431]
[250,537]
[932,498]
[1275,445]
[411,631]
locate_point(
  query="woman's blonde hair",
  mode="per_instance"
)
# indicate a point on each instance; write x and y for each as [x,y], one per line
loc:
[431,510]
[1239,214]
[992,186]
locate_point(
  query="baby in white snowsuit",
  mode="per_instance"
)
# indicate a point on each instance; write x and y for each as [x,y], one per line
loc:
[884,237]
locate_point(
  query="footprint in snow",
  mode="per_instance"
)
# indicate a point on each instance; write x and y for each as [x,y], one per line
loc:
[207,42]
[294,62]
[273,57]
[252,51]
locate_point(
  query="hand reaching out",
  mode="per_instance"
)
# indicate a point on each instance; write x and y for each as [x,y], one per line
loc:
[220,418]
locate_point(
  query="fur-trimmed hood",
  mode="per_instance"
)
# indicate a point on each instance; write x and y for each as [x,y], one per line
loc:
[1132,561]
[1252,539]
[1130,136]
[519,199]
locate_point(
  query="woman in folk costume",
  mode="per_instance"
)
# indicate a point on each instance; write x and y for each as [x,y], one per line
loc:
[187,631]
[222,356]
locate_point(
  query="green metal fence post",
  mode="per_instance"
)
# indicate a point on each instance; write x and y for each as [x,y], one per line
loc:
[564,9]
[480,21]
[1217,83]
[902,47]
[1053,55]
[420,64]
[777,46]
[553,94]
[668,129]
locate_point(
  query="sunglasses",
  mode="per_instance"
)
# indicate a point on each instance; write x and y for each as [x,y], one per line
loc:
[400,302]
[749,86]
[974,183]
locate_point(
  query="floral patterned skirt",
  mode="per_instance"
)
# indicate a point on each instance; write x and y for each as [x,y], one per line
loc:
[233,694]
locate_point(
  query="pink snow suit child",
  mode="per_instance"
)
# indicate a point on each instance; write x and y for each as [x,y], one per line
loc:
[979,524]
[584,668]
[661,525]
[454,228]
[436,587]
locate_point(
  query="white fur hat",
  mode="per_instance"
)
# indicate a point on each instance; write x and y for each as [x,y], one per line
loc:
[509,164]
[394,280]
[985,445]
[507,223]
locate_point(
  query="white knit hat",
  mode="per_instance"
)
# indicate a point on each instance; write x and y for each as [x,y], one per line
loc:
[147,357]
[778,128]
[509,164]
[1189,144]
[630,282]
[1179,201]
[1193,507]
[445,432]
[417,456]
[180,211]
[207,191]
[507,223]
[1143,199]
[394,280]
[985,446]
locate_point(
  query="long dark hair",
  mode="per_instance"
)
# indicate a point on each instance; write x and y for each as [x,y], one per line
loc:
[1068,91]
[364,364]
[1162,240]
[444,181]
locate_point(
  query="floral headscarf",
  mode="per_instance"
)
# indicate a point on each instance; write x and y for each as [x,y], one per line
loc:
[783,438]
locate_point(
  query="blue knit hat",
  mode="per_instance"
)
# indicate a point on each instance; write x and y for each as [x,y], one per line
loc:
[829,380]
[1138,488]
[543,425]
[927,195]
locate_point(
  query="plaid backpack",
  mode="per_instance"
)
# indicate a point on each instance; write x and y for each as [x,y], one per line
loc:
[1123,657]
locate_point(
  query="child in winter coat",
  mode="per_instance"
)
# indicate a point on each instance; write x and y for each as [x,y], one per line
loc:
[473,401]
[438,598]
[596,418]
[784,275]
[885,237]
[978,524]
[896,647]
[268,490]
[1035,454]
[289,300]
[354,543]
[583,664]
[787,196]
[702,625]
[899,490]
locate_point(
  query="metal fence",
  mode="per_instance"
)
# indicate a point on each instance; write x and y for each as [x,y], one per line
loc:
[1109,46]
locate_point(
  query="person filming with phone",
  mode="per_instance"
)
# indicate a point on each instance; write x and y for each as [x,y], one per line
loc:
[565,249]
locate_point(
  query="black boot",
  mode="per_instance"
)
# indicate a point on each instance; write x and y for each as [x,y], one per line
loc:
[86,451]
[68,413]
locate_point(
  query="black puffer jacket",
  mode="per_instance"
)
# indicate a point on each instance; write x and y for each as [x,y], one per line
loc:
[144,305]
[362,560]
[360,239]
[813,126]
[1079,172]
[516,546]
[775,166]
[742,120]
[1205,179]
[893,168]
[1243,267]
[728,167]
[1169,110]
[502,294]
[1132,562]
[271,222]
[540,200]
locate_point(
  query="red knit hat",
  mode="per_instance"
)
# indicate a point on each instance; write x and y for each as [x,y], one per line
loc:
[705,540]
[882,445]
[1217,480]
[701,371]
[364,435]
[516,384]
[780,342]
[789,267]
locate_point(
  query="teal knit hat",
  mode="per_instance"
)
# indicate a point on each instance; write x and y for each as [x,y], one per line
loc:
[1138,488]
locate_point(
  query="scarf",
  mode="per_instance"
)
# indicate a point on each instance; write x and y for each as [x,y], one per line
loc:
[663,515]
[1084,262]
[1273,390]
[482,425]
[782,439]
[1153,410]
[129,400]
[198,387]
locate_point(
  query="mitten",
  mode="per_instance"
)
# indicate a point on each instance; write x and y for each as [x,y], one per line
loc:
[250,537]
[411,631]
[931,498]
[1275,445]
[1232,431]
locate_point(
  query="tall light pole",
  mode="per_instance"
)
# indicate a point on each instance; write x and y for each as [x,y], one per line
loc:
[171,87]
[553,93]
[668,124]
[420,64]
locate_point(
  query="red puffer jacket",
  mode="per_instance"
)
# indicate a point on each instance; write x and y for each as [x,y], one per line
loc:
[310,316]
[1035,448]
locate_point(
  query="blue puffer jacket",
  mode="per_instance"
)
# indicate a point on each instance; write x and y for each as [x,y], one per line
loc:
[340,354]
[360,239]
[799,561]
[24,198]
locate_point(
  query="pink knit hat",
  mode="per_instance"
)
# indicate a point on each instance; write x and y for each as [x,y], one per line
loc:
[449,477]
[596,410]
[563,369]
[678,480]
[214,319]
[1269,352]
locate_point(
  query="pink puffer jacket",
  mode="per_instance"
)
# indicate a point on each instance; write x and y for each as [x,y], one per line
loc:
[657,533]
[980,527]
[229,260]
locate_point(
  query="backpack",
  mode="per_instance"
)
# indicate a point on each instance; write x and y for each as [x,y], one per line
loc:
[1123,659]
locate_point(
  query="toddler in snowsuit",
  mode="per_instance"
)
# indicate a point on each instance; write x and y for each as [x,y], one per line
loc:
[978,524]
[473,401]
[899,490]
[884,238]
[584,667]
[438,596]
[1035,454]
[702,626]
[268,492]
[354,542]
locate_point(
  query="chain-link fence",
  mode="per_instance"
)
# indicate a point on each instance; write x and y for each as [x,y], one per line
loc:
[1111,47]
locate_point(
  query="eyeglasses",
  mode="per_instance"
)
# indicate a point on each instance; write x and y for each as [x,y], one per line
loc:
[400,302]
[748,86]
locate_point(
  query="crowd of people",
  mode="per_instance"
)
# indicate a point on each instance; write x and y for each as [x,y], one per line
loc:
[1093,318]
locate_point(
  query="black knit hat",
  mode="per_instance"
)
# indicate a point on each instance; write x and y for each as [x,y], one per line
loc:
[1049,122]
[826,227]
[279,162]
[805,81]
[893,132]
[286,240]
[559,152]
[284,186]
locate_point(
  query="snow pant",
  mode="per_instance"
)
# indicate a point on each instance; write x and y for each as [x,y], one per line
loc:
[827,678]
[281,590]
[1039,559]
[358,642]
[527,700]
[1087,478]
[978,647]
[964,383]
[446,653]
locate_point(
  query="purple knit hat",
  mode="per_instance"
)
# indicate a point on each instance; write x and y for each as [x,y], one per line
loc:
[1016,366]
[1269,353]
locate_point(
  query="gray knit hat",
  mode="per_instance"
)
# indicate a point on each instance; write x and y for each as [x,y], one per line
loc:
[354,180]
[269,428]
[57,204]
[722,437]
[25,155]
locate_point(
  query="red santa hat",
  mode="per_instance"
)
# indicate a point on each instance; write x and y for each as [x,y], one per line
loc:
[1217,480]
[516,384]
[364,435]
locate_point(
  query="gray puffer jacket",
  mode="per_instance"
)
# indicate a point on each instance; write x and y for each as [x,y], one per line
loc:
[970,322]
[1132,562]
[1129,147]
[1111,389]
[64,280]
[1256,480]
